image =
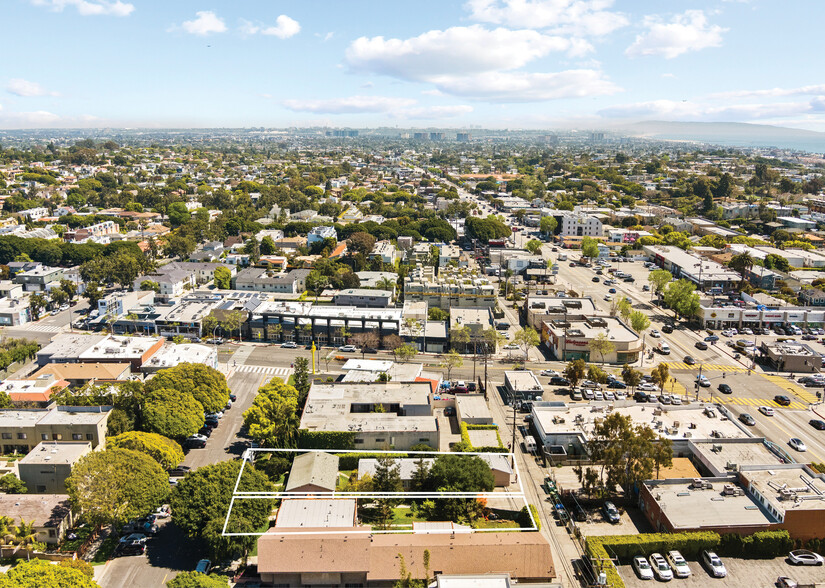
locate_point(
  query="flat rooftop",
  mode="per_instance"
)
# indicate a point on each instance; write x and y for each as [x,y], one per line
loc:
[671,422]
[73,417]
[51,452]
[592,327]
[69,345]
[742,452]
[316,513]
[171,355]
[523,381]
[806,492]
[119,347]
[472,406]
[690,508]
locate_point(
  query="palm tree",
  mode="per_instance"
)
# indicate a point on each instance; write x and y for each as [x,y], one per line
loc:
[741,263]
[385,284]
[25,535]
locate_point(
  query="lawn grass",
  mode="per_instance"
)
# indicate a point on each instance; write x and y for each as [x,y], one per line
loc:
[105,551]
[74,544]
[505,524]
[403,515]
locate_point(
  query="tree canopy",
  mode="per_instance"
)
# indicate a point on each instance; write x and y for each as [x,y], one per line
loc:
[171,413]
[115,485]
[682,299]
[461,473]
[197,580]
[273,418]
[163,450]
[39,573]
[206,384]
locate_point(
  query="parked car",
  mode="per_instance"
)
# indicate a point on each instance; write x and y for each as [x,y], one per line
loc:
[588,394]
[786,582]
[782,400]
[289,345]
[133,538]
[647,387]
[642,568]
[449,411]
[179,471]
[817,424]
[129,549]
[203,566]
[804,557]
[617,384]
[766,410]
[681,569]
[348,348]
[747,419]
[661,567]
[575,394]
[713,564]
[559,381]
[611,513]
[609,396]
[195,442]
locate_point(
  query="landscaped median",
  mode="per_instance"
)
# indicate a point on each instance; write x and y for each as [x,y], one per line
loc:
[763,544]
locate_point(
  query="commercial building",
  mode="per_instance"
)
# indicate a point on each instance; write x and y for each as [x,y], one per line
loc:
[14,312]
[45,468]
[353,557]
[21,430]
[704,273]
[452,287]
[392,415]
[472,409]
[325,325]
[362,297]
[172,354]
[572,338]
[791,357]
[39,279]
[580,225]
[523,385]
[70,348]
[263,280]
[541,308]
[475,321]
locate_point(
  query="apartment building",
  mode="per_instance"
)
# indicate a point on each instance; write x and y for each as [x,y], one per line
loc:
[450,288]
[21,430]
[581,225]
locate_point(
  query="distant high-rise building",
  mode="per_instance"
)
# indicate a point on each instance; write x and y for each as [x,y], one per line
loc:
[463,137]
[436,136]
[420,136]
[342,133]
[597,136]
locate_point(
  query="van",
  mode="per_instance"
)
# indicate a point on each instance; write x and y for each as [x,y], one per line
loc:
[562,257]
[530,444]
[663,348]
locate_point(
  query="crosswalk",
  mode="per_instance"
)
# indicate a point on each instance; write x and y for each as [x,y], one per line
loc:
[29,327]
[794,405]
[706,367]
[264,369]
[784,383]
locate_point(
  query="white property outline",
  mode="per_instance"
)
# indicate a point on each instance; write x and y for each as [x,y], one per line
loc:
[334,494]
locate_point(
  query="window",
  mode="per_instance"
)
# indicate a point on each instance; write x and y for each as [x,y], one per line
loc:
[77,437]
[6,435]
[44,436]
[21,435]
[359,441]
[380,439]
[52,533]
[57,436]
[90,437]
[40,489]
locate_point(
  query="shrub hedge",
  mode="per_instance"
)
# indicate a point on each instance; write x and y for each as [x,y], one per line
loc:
[326,439]
[349,461]
[762,544]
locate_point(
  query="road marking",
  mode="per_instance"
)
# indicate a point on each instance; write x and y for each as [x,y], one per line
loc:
[263,369]
[759,402]
[37,328]
[788,385]
[706,367]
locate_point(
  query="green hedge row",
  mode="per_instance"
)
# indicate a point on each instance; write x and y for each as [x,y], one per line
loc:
[471,426]
[465,437]
[326,439]
[349,461]
[762,544]
[524,520]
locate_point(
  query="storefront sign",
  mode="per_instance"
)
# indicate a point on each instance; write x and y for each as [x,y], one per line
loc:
[579,343]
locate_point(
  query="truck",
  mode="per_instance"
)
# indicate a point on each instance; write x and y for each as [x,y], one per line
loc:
[663,348]
[530,445]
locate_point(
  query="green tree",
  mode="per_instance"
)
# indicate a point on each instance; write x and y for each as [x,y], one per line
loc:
[163,450]
[590,247]
[420,476]
[387,478]
[223,278]
[207,385]
[526,338]
[201,500]
[39,573]
[178,213]
[631,377]
[741,263]
[437,314]
[660,375]
[37,302]
[682,299]
[273,418]
[463,473]
[405,352]
[152,285]
[452,360]
[268,246]
[171,413]
[548,225]
[197,580]
[533,246]
[93,294]
[774,261]
[360,242]
[79,565]
[115,485]
[625,308]
[639,321]
[180,246]
[11,484]
[575,371]
[601,345]
[659,279]
[301,377]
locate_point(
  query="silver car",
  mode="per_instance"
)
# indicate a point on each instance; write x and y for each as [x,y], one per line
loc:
[642,568]
[713,564]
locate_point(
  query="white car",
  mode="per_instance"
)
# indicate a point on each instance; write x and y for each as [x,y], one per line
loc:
[642,568]
[676,400]
[655,333]
[680,567]
[608,395]
[505,334]
[804,557]
[797,444]
[588,394]
[348,348]
[713,564]
[661,567]
[608,297]
[766,410]
[598,395]
[647,387]
[510,346]
[620,395]
[746,331]
[550,373]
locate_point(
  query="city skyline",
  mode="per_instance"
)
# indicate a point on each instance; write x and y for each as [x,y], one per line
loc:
[490,63]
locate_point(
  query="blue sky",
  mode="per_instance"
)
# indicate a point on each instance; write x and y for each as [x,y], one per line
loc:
[365,63]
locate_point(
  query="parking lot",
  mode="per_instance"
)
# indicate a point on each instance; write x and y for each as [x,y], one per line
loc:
[750,573]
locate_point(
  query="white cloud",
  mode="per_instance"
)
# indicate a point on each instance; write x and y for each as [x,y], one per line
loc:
[349,105]
[89,7]
[206,23]
[284,28]
[22,120]
[685,32]
[454,51]
[699,111]
[815,90]
[528,87]
[434,112]
[574,17]
[25,88]
[668,75]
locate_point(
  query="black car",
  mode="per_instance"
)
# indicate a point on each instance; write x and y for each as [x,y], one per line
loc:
[782,400]
[701,345]
[641,396]
[779,330]
[689,360]
[132,548]
[667,328]
[725,389]
[579,514]
[232,397]
[817,424]
[596,279]
[206,431]
[616,384]
[179,471]
[471,386]
[194,443]
[559,381]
